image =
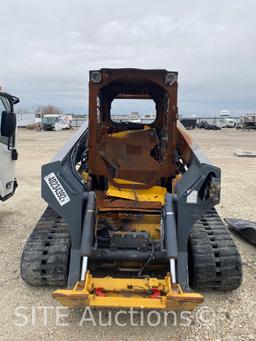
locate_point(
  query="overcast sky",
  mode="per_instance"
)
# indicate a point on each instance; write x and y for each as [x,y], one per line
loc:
[47,48]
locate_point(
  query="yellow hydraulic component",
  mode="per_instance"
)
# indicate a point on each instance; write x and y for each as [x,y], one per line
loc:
[122,134]
[155,193]
[148,293]
[85,176]
[149,223]
[126,182]
[177,178]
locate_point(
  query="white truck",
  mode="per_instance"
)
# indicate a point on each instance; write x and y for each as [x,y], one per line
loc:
[8,152]
[225,120]
[229,123]
[56,122]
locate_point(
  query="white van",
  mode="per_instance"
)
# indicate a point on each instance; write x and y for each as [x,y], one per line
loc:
[56,122]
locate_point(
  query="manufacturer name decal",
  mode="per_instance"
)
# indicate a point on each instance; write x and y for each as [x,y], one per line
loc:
[57,189]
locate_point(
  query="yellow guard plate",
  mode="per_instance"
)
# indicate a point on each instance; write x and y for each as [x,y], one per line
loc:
[155,193]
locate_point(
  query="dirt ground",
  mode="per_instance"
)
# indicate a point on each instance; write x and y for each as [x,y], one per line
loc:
[31,314]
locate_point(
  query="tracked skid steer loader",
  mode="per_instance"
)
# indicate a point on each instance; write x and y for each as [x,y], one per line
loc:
[131,219]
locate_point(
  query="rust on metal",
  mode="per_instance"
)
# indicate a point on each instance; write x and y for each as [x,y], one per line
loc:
[106,203]
[142,157]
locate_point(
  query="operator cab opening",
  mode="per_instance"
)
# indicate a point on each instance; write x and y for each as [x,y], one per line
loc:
[128,148]
[133,111]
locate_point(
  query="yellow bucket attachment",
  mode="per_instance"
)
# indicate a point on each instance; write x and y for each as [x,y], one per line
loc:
[148,293]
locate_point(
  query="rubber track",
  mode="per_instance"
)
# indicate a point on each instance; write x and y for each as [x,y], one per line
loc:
[45,257]
[215,262]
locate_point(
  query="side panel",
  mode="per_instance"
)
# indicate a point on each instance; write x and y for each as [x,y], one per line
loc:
[7,165]
[196,193]
[66,193]
[7,171]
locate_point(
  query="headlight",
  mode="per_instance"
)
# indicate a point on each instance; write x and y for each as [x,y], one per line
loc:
[171,78]
[95,76]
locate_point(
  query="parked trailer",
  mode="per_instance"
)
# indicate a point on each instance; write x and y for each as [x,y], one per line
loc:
[248,121]
[189,123]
